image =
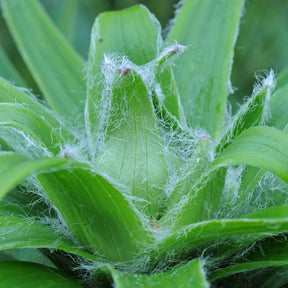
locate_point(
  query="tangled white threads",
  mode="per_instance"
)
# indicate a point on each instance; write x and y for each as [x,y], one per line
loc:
[268,81]
[23,143]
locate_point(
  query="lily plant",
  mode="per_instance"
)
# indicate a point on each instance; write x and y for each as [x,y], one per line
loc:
[131,171]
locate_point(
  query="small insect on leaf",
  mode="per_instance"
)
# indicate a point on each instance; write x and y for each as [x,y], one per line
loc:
[156,226]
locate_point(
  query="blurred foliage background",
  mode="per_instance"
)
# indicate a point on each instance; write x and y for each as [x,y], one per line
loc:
[262,42]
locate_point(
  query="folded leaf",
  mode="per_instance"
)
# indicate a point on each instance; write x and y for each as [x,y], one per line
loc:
[18,232]
[12,94]
[105,223]
[16,118]
[262,147]
[15,168]
[108,37]
[251,177]
[132,151]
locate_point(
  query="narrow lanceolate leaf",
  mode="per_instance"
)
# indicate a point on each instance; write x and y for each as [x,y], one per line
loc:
[209,29]
[187,239]
[12,94]
[25,274]
[187,275]
[67,17]
[262,147]
[276,257]
[271,253]
[254,112]
[14,168]
[104,222]
[132,151]
[7,69]
[17,232]
[35,131]
[55,65]
[169,92]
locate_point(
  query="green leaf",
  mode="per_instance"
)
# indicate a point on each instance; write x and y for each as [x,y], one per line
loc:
[25,274]
[199,202]
[105,223]
[255,111]
[185,240]
[35,131]
[33,255]
[262,147]
[56,67]
[260,278]
[10,209]
[272,253]
[12,94]
[273,212]
[67,17]
[249,180]
[110,35]
[7,69]
[209,29]
[132,151]
[279,117]
[279,120]
[17,232]
[272,279]
[282,79]
[14,168]
[252,54]
[117,225]
[252,113]
[112,31]
[169,91]
[190,274]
